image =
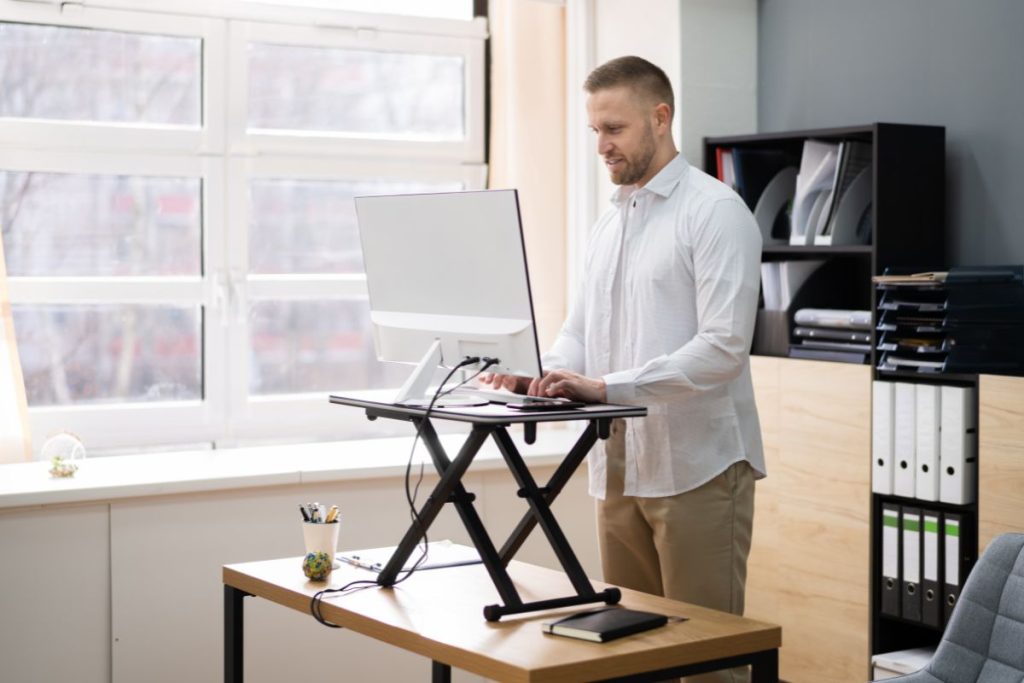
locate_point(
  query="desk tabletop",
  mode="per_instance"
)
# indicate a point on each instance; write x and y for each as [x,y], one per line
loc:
[439,615]
[492,413]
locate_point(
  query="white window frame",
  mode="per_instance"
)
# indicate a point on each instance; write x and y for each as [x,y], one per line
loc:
[226,157]
[241,141]
[207,138]
[128,424]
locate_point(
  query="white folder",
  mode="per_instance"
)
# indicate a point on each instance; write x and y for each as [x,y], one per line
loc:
[958,444]
[927,441]
[881,436]
[905,433]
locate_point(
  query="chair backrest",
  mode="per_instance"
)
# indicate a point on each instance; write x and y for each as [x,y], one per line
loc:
[984,641]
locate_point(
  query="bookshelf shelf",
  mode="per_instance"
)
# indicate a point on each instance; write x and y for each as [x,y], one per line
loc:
[906,215]
[816,251]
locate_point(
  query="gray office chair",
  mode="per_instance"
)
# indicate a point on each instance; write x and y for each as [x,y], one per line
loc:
[984,641]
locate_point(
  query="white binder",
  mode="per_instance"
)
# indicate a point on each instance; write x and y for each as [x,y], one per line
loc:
[927,418]
[904,455]
[881,436]
[958,444]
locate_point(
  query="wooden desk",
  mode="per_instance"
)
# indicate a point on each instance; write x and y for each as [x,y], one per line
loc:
[436,613]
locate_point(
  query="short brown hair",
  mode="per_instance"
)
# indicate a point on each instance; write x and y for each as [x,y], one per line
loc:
[635,72]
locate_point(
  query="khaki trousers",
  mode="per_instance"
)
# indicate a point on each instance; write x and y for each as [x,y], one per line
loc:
[691,547]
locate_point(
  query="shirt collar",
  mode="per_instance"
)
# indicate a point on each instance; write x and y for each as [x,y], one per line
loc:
[662,184]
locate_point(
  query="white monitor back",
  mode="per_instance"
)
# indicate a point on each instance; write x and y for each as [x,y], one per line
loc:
[449,267]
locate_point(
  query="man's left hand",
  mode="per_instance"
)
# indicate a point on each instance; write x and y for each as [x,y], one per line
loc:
[565,384]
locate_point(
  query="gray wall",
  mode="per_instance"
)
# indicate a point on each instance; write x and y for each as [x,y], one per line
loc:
[954,63]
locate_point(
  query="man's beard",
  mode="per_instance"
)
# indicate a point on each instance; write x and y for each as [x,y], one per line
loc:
[636,167]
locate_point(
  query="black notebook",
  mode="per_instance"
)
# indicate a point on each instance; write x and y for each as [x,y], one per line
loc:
[605,624]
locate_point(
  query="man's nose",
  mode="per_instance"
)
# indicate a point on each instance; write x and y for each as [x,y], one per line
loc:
[604,146]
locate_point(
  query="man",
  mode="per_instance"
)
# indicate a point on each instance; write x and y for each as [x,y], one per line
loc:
[664,318]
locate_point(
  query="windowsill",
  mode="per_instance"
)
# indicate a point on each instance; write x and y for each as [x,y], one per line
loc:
[160,474]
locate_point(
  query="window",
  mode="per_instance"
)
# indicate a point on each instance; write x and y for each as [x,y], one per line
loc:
[177,214]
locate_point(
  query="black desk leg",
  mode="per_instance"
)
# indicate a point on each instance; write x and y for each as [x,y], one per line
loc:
[440,673]
[234,641]
[764,667]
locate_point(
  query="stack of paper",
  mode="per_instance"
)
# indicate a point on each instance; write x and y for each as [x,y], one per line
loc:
[832,334]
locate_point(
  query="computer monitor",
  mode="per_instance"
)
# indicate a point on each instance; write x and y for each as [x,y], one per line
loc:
[447,279]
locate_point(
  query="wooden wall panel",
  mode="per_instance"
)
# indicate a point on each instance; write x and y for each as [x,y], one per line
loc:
[763,576]
[810,561]
[1000,457]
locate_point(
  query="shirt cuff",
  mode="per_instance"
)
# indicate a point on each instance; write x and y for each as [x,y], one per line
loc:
[620,387]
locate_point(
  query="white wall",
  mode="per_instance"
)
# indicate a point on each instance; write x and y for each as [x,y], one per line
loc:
[708,49]
[131,590]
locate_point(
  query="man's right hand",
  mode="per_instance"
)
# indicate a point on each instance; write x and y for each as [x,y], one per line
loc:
[513,383]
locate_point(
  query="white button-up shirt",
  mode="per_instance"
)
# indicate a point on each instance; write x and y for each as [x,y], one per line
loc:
[665,315]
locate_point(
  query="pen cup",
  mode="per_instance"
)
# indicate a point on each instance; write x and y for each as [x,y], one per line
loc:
[322,537]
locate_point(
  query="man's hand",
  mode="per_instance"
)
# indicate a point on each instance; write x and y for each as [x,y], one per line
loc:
[565,384]
[514,383]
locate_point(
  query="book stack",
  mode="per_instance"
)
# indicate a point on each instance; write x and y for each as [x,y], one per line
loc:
[965,320]
[831,334]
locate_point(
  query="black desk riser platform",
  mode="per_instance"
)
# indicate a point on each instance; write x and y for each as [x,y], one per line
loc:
[487,421]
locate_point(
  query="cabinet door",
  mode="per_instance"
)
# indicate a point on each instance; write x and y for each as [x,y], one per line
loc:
[1000,457]
[810,560]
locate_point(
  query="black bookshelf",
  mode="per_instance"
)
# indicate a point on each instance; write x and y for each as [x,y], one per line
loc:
[907,231]
[907,209]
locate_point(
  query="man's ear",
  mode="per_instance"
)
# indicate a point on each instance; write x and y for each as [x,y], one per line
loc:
[662,117]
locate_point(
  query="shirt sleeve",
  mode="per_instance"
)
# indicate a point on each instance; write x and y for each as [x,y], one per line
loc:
[726,263]
[569,350]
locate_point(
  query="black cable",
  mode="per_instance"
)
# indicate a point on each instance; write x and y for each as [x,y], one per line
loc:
[410,497]
[487,362]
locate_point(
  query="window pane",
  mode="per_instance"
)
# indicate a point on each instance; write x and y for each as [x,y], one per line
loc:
[77,74]
[109,353]
[373,94]
[307,346]
[57,224]
[445,9]
[309,227]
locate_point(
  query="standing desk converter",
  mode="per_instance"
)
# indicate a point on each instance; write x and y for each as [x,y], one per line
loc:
[493,421]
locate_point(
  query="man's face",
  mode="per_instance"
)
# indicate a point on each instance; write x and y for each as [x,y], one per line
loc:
[625,136]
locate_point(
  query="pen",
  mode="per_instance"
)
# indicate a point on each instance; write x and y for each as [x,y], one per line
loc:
[305,515]
[356,562]
[332,514]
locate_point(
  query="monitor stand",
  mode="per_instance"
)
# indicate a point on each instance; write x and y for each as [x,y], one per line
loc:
[416,390]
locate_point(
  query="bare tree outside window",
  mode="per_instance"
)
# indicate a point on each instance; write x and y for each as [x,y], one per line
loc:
[356,92]
[130,180]
[77,74]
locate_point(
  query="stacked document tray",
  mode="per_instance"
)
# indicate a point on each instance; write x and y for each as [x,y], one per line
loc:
[966,320]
